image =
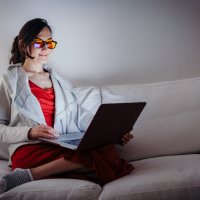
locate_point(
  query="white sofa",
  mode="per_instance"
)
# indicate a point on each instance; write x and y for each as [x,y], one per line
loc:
[165,149]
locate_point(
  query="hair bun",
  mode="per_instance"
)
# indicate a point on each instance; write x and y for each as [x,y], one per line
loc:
[16,56]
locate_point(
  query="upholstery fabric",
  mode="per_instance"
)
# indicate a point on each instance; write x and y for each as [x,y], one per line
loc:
[167,177]
[4,169]
[57,189]
[169,123]
[54,189]
[4,154]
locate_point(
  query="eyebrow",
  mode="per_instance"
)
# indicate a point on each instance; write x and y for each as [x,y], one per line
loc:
[42,39]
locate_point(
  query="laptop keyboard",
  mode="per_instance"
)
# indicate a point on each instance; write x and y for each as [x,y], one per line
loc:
[72,142]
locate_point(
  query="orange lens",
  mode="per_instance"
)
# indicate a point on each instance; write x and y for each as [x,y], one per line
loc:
[38,44]
[51,45]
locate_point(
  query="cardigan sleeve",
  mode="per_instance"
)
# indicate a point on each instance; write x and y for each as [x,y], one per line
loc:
[9,134]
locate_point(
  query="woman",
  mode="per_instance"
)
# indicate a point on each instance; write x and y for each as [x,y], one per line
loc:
[29,109]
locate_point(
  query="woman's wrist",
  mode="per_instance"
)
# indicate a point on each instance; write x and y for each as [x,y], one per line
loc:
[29,134]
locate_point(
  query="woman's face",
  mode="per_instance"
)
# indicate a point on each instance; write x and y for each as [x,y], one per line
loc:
[40,55]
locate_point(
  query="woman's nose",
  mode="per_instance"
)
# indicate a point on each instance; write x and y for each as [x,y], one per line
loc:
[45,47]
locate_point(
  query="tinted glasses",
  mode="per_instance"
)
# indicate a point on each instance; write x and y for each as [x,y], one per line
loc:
[39,43]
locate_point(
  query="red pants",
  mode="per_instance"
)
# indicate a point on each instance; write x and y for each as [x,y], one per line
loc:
[105,161]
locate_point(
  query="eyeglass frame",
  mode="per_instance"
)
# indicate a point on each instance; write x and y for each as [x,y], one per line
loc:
[44,43]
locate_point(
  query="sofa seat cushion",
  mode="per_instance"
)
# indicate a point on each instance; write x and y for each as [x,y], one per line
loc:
[50,189]
[168,177]
[54,189]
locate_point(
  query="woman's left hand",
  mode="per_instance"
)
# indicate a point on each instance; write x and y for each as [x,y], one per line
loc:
[126,138]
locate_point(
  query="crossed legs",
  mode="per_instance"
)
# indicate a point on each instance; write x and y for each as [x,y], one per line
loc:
[57,167]
[20,176]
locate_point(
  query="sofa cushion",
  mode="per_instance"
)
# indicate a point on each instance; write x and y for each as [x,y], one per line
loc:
[169,123]
[4,169]
[168,177]
[88,97]
[4,154]
[50,189]
[54,189]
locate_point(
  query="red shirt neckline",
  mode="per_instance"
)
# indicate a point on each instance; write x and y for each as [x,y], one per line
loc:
[39,86]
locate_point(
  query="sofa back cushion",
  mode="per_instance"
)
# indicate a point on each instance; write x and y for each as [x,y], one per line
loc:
[88,97]
[169,123]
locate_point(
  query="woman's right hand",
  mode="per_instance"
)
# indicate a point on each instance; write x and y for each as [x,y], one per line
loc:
[42,131]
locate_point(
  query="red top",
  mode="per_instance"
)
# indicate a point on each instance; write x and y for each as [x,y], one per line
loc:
[47,101]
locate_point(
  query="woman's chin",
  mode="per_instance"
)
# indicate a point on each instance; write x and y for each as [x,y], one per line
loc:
[42,61]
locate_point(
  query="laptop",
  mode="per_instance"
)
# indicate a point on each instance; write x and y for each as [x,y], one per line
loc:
[108,126]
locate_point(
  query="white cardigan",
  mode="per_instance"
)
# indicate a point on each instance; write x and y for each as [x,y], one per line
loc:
[20,109]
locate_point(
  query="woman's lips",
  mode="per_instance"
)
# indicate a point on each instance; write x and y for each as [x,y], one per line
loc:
[43,55]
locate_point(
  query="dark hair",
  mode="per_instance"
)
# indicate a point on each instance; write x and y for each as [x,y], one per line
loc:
[28,32]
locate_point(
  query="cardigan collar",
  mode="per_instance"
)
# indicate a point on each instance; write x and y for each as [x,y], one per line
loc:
[27,103]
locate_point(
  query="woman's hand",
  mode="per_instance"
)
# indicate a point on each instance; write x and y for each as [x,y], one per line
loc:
[42,130]
[126,138]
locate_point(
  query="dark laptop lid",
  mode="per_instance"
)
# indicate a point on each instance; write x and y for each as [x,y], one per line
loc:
[110,123]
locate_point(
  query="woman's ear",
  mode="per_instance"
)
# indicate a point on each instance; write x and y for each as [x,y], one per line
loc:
[23,48]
